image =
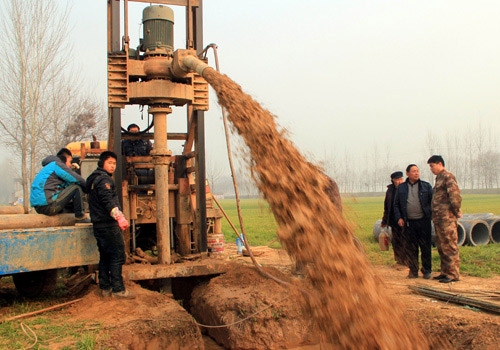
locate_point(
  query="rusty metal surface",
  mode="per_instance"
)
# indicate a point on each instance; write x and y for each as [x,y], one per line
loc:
[23,250]
[160,91]
[205,267]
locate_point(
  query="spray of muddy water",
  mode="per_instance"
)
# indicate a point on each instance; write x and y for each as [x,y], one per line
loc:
[348,304]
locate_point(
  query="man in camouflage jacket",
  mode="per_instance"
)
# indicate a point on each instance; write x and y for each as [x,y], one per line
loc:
[446,203]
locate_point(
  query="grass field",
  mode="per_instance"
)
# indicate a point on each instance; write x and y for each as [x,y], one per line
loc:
[362,213]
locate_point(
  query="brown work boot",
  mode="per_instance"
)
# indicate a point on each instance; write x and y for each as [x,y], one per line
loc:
[125,294]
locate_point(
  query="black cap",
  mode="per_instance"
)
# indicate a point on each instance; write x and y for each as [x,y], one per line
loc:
[396,175]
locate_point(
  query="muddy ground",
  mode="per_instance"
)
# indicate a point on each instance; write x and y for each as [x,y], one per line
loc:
[264,314]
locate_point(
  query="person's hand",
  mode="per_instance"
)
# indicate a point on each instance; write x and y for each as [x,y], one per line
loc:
[401,222]
[122,222]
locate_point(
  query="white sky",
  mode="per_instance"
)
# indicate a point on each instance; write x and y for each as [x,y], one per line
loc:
[339,74]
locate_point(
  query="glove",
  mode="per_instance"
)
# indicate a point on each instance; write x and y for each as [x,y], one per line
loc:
[117,214]
[122,222]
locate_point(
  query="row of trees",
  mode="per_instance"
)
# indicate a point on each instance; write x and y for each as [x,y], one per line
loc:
[473,155]
[43,103]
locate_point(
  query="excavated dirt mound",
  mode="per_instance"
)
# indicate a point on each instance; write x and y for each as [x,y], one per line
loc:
[150,321]
[254,312]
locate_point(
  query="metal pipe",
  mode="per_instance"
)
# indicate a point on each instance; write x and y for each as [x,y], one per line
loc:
[161,160]
[194,64]
[133,235]
[17,221]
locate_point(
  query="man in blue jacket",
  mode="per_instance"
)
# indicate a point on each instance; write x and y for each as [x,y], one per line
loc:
[56,185]
[412,211]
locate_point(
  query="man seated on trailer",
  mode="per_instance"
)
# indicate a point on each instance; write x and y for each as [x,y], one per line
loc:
[56,185]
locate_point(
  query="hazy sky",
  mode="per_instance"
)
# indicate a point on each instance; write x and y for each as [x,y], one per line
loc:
[340,75]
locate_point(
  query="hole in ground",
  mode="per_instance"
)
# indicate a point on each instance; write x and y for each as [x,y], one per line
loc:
[181,289]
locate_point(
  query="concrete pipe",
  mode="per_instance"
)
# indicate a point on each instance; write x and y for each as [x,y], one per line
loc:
[477,216]
[21,221]
[461,234]
[477,232]
[494,224]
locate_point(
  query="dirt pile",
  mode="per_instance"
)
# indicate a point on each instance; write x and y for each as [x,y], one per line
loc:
[347,303]
[257,313]
[151,321]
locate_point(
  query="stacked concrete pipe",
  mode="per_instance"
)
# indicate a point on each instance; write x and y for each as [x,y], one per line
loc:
[494,224]
[477,231]
[461,234]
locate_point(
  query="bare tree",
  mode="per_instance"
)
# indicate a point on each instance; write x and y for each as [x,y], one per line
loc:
[76,120]
[214,173]
[35,33]
[41,102]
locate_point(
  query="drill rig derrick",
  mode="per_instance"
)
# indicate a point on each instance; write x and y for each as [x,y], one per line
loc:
[153,75]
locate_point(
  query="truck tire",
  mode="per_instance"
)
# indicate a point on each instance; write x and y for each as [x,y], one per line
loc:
[35,283]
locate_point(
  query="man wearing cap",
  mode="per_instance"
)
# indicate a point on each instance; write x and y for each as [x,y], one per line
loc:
[388,218]
[446,209]
[412,210]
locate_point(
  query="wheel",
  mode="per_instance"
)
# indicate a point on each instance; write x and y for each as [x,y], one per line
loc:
[35,283]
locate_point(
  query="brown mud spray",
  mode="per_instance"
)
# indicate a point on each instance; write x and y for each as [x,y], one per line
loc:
[347,305]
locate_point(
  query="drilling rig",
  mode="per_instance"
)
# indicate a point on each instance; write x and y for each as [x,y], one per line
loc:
[165,197]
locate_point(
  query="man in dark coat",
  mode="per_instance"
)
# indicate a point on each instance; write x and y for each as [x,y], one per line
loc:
[108,222]
[138,147]
[412,210]
[388,219]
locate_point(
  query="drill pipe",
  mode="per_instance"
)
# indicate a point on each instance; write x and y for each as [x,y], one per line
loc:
[22,221]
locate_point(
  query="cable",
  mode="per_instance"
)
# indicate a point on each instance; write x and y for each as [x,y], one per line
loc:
[242,320]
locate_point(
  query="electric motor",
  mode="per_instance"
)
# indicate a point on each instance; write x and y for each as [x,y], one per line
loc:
[158,29]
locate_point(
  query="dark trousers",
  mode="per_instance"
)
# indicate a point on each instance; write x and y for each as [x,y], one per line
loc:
[111,257]
[71,193]
[398,245]
[417,234]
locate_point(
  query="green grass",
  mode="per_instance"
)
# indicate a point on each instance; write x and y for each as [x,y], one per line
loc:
[48,331]
[258,221]
[362,213]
